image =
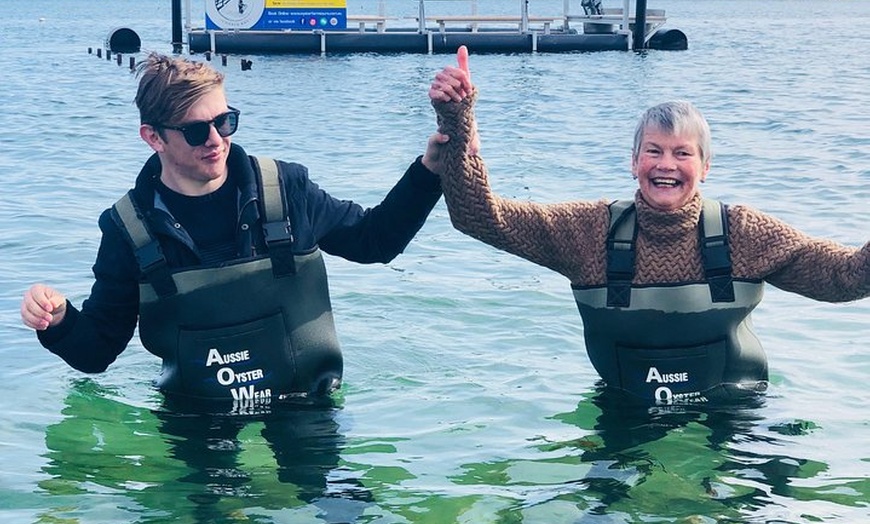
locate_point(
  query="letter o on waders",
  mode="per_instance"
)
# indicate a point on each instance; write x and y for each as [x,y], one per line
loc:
[225,376]
[664,395]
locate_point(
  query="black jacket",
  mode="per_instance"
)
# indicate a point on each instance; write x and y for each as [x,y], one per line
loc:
[91,339]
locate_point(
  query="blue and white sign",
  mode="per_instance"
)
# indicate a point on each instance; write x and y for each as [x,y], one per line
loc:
[276,15]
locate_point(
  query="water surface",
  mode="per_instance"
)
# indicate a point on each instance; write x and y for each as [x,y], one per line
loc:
[468,396]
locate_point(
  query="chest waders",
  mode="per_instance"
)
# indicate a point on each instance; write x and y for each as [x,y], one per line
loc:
[250,332]
[673,343]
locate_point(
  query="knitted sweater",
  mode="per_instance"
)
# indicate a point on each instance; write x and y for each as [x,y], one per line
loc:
[570,237]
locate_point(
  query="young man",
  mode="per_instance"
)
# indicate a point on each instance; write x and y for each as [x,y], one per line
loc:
[217,254]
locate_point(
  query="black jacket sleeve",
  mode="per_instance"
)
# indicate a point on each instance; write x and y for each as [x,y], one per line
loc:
[91,339]
[378,234]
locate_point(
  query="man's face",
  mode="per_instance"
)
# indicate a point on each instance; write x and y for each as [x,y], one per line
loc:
[668,169]
[193,170]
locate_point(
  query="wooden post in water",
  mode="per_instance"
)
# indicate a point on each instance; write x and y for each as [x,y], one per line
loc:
[421,17]
[639,40]
[176,26]
[524,16]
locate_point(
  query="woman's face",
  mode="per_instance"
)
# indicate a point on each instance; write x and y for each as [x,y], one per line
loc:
[668,168]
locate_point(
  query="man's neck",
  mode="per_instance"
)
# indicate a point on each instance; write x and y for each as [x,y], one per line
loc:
[192,187]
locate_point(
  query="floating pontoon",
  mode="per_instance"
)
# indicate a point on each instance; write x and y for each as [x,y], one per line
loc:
[596,29]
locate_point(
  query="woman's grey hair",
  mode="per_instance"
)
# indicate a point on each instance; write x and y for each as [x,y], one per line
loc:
[677,117]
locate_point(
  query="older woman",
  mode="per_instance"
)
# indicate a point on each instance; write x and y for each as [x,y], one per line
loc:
[665,282]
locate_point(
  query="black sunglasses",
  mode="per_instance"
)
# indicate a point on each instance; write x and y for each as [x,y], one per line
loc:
[196,133]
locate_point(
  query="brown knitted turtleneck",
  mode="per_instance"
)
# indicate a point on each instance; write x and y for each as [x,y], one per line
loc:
[570,237]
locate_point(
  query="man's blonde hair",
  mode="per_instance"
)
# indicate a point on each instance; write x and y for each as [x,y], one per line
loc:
[169,86]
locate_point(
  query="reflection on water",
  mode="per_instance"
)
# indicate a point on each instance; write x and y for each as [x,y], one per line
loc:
[671,460]
[632,464]
[212,467]
[637,464]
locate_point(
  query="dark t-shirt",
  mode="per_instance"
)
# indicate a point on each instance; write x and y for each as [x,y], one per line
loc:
[210,220]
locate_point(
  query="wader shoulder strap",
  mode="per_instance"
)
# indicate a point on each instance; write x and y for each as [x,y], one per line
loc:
[151,261]
[276,221]
[620,253]
[715,252]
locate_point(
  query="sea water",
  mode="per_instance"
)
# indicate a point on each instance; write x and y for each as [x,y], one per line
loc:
[468,396]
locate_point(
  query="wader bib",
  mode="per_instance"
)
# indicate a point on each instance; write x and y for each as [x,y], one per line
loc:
[250,332]
[673,343]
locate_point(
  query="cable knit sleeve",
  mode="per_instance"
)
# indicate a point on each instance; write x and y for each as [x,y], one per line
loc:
[565,237]
[767,248]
